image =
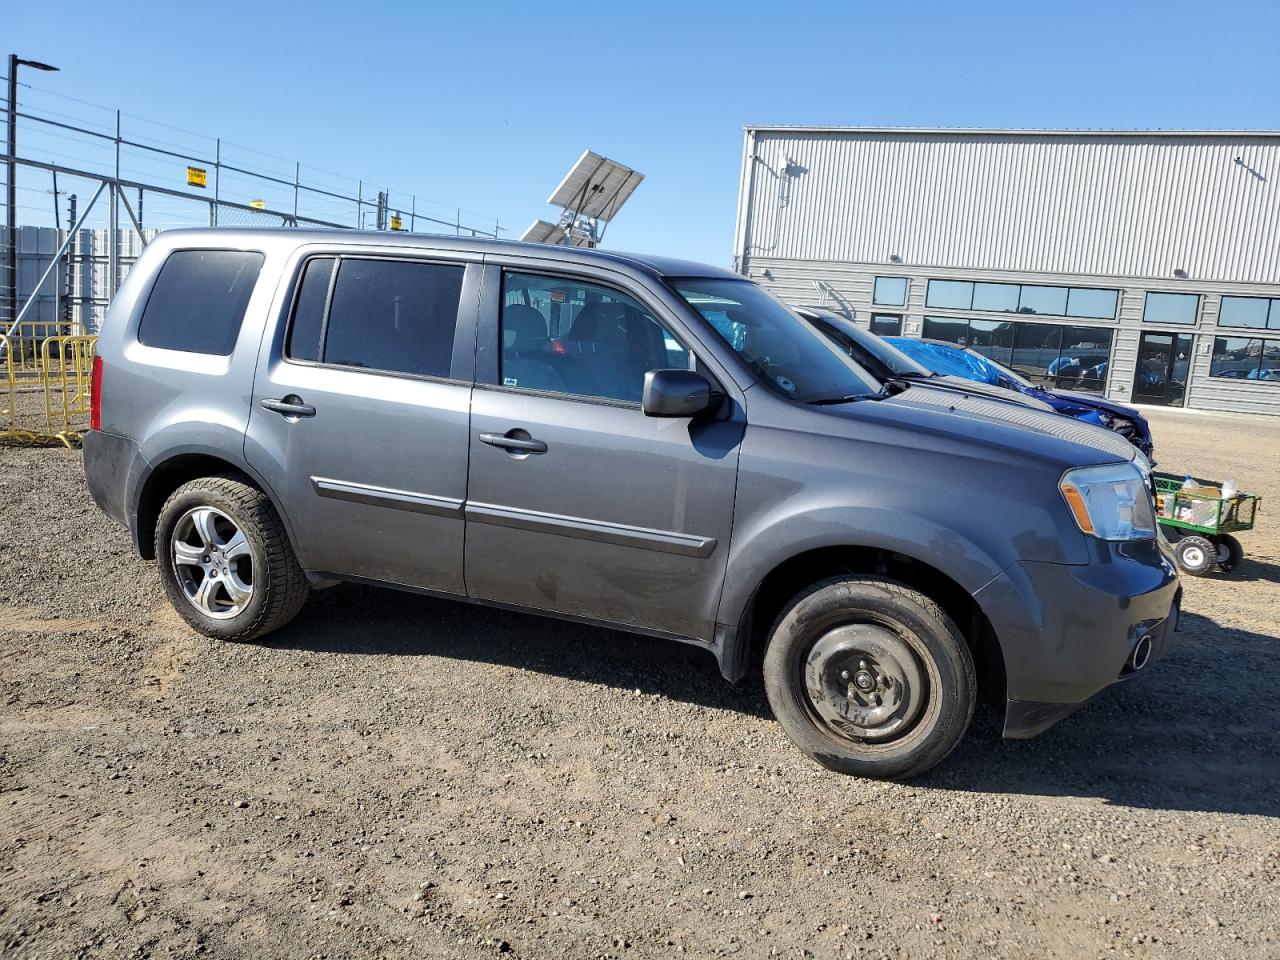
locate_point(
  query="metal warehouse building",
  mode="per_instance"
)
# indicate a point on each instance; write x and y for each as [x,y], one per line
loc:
[1142,264]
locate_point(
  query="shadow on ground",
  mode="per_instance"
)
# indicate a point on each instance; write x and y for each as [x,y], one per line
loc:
[1200,731]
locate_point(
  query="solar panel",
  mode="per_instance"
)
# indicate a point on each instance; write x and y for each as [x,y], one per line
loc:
[596,187]
[540,231]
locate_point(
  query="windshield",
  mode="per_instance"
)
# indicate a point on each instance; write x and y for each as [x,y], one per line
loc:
[788,355]
[883,359]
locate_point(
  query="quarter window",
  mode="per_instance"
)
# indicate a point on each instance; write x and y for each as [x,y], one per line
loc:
[890,291]
[1255,312]
[198,301]
[393,315]
[308,311]
[565,336]
[1177,308]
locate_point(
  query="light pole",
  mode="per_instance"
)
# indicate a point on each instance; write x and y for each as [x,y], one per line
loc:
[11,181]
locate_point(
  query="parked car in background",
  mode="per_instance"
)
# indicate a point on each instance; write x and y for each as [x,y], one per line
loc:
[950,358]
[646,444]
[887,362]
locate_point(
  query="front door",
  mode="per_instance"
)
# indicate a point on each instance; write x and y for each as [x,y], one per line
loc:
[1161,373]
[578,503]
[359,418]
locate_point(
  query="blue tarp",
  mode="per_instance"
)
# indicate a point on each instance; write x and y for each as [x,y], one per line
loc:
[948,359]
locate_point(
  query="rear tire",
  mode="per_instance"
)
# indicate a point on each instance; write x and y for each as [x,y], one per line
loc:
[1230,553]
[1196,555]
[225,560]
[870,678]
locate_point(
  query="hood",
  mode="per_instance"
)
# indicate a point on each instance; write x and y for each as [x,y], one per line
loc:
[1093,401]
[946,381]
[1012,422]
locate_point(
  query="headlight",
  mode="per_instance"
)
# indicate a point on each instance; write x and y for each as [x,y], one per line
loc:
[1110,502]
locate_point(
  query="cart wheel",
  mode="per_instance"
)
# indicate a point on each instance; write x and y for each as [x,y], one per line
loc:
[1196,555]
[1230,553]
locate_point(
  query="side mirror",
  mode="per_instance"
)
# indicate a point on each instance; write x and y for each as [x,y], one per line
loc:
[676,393]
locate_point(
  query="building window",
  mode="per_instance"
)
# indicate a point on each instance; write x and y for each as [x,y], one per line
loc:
[1048,300]
[1175,308]
[1245,358]
[1257,313]
[996,297]
[1084,302]
[886,325]
[950,294]
[1049,354]
[890,291]
[1092,304]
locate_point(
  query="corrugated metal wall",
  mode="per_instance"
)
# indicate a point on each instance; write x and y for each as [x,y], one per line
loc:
[1138,206]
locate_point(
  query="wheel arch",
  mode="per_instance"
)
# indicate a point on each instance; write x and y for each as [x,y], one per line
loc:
[744,647]
[182,466]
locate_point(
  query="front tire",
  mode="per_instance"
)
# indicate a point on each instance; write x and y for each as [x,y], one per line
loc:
[870,678]
[225,560]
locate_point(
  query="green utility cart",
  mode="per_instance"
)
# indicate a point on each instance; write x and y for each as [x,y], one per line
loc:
[1199,522]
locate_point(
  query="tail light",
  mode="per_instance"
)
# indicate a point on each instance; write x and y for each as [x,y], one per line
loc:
[95,395]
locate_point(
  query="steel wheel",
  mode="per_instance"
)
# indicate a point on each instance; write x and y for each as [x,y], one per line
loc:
[864,681]
[213,562]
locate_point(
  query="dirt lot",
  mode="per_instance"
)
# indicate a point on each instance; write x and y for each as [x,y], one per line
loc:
[394,776]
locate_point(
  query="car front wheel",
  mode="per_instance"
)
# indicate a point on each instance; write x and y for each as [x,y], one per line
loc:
[870,677]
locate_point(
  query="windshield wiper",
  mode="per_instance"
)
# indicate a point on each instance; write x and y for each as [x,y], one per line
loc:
[829,401]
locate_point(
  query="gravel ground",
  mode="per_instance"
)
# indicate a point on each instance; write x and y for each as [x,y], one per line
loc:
[393,776]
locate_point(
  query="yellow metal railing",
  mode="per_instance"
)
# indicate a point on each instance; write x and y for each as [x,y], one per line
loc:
[48,372]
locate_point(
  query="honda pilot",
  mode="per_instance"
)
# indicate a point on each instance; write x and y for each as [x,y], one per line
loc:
[647,444]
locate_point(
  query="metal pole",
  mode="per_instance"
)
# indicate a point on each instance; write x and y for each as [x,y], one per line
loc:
[68,309]
[413,213]
[113,224]
[297,175]
[359,204]
[11,188]
[217,182]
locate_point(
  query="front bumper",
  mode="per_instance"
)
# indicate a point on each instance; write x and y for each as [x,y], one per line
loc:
[1068,632]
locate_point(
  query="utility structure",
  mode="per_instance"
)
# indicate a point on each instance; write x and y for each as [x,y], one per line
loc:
[11,186]
[589,197]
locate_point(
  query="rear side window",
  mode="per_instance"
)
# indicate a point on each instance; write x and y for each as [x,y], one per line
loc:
[198,301]
[394,315]
[308,312]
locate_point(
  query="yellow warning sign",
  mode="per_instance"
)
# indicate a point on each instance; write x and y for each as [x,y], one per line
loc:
[396,222]
[197,177]
[258,204]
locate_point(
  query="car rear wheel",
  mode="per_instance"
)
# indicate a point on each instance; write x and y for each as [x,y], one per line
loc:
[869,677]
[225,560]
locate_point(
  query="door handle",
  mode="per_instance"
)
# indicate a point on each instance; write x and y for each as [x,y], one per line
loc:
[290,406]
[521,444]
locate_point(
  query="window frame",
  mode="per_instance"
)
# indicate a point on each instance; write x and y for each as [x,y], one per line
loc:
[1177,324]
[906,291]
[464,324]
[1213,350]
[491,329]
[1272,312]
[136,324]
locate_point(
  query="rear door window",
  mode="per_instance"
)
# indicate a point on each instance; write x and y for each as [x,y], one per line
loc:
[198,301]
[398,316]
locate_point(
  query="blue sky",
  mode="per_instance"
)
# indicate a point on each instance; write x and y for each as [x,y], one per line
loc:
[485,105]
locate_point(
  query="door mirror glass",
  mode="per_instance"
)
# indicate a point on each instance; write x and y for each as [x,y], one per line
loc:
[676,393]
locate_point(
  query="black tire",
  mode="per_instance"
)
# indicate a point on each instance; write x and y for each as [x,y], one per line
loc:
[1196,555]
[1230,553]
[278,586]
[823,629]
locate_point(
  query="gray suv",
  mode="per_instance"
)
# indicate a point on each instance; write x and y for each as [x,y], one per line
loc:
[648,444]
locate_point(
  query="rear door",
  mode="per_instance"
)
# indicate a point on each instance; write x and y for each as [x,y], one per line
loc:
[578,503]
[360,413]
